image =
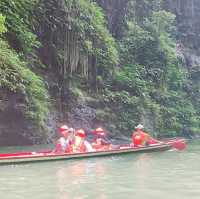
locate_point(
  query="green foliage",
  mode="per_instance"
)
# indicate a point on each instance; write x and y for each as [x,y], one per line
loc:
[151,71]
[131,78]
[150,79]
[92,25]
[86,21]
[16,77]
[121,111]
[136,43]
[178,114]
[2,26]
[19,21]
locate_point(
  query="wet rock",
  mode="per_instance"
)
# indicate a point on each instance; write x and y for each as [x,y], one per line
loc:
[82,116]
[15,129]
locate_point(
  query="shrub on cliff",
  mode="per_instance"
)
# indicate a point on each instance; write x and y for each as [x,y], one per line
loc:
[15,76]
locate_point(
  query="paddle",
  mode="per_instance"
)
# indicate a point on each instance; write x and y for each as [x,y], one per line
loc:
[178,143]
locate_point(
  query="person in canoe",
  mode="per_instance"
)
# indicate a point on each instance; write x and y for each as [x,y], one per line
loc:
[71,136]
[63,144]
[141,138]
[100,142]
[80,144]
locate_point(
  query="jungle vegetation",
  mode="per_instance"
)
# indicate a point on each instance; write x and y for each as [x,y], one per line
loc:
[135,78]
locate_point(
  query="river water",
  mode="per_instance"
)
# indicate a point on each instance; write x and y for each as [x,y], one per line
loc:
[159,175]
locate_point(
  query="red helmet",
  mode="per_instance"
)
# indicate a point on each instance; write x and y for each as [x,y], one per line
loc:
[100,131]
[63,128]
[80,133]
[64,133]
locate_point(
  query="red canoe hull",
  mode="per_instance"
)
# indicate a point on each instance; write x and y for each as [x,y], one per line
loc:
[25,157]
[44,156]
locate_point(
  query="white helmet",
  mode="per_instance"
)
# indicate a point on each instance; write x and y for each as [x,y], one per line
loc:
[71,130]
[139,126]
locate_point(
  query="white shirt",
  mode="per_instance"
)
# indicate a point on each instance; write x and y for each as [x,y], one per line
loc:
[88,146]
[63,142]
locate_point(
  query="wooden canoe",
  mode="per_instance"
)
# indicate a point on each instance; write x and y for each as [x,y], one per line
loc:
[25,157]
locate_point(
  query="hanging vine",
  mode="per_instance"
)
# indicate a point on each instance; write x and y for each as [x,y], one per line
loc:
[81,41]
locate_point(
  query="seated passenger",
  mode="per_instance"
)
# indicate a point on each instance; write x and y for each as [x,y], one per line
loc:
[61,143]
[71,135]
[140,138]
[100,141]
[70,140]
[80,144]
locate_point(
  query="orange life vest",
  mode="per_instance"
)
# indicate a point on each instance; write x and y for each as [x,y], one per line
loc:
[99,144]
[78,145]
[140,138]
[96,146]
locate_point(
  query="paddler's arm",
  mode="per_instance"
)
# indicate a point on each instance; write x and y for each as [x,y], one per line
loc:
[105,141]
[88,146]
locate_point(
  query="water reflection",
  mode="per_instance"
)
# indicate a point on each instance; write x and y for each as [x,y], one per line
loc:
[166,175]
[99,179]
[76,179]
[142,165]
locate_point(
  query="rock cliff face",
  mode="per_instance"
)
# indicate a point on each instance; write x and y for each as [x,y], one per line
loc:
[115,11]
[188,26]
[186,11]
[13,125]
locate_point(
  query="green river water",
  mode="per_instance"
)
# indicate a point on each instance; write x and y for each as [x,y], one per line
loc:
[159,175]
